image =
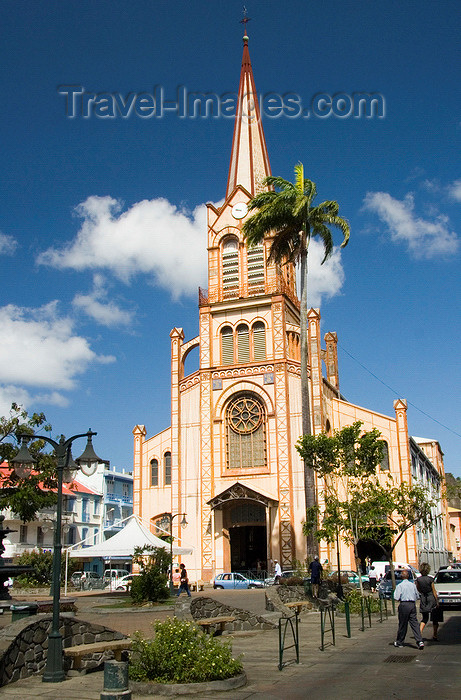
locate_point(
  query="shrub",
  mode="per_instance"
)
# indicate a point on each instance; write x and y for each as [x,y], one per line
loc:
[292,581]
[181,653]
[149,585]
[353,598]
[42,571]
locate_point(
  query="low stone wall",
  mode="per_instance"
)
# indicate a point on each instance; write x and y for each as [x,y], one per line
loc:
[24,645]
[277,596]
[201,607]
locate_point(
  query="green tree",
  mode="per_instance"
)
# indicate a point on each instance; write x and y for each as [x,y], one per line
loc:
[346,462]
[286,213]
[360,502]
[42,568]
[404,506]
[151,584]
[25,496]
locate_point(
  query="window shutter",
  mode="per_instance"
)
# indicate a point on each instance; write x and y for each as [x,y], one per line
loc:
[227,346]
[243,340]
[259,341]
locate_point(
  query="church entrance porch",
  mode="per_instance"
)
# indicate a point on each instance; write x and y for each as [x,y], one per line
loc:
[242,519]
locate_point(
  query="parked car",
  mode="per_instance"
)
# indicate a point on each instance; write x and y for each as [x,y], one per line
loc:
[382,567]
[124,583]
[285,574]
[115,575]
[352,577]
[447,583]
[230,580]
[384,586]
[86,580]
[75,578]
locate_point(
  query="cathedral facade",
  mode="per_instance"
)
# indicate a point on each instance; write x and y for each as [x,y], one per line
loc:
[228,460]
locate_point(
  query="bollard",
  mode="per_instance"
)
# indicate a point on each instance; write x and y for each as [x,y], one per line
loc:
[116,681]
[347,610]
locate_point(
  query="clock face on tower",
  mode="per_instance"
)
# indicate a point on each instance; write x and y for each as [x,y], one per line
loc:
[239,210]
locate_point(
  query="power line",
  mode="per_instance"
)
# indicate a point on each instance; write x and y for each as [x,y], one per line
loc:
[397,393]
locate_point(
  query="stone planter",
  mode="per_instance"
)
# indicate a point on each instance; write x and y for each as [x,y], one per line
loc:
[172,689]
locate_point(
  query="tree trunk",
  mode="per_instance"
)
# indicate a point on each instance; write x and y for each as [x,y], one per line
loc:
[309,477]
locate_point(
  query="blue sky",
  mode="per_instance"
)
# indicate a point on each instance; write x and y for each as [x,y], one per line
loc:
[102,227]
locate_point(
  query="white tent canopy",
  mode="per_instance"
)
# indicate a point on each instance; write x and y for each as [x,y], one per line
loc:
[134,534]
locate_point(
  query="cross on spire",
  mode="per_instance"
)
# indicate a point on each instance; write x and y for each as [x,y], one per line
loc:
[245,19]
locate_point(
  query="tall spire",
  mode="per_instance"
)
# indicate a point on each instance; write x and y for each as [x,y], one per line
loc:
[249,163]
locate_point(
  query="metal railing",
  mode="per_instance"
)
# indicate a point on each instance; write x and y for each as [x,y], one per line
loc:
[324,611]
[287,624]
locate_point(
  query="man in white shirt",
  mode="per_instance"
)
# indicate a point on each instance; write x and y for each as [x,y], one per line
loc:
[278,572]
[407,593]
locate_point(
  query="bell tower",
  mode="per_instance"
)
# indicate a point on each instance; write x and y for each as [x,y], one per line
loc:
[249,355]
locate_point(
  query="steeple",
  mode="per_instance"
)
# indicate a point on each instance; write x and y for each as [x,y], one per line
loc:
[249,163]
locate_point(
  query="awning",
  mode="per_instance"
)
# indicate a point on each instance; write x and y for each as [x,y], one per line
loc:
[123,544]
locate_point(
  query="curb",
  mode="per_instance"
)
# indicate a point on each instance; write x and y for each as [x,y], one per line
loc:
[140,688]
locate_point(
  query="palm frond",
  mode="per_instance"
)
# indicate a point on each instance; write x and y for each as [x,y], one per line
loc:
[299,177]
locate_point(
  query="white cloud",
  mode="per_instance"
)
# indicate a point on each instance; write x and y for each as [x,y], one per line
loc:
[95,305]
[153,237]
[8,244]
[424,238]
[40,350]
[323,280]
[454,190]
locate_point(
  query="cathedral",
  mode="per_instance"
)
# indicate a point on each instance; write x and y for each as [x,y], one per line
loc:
[228,460]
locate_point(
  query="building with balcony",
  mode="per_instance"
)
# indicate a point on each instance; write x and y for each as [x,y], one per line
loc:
[81,521]
[116,491]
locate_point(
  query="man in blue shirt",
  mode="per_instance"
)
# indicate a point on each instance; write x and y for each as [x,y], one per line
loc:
[407,593]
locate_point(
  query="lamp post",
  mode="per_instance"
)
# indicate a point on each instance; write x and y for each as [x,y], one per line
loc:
[167,519]
[22,463]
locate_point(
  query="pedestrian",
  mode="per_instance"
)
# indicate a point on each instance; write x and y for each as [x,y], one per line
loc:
[278,572]
[184,581]
[373,578]
[407,595]
[316,569]
[429,604]
[176,578]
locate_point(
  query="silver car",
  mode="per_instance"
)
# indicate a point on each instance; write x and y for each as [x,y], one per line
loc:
[447,583]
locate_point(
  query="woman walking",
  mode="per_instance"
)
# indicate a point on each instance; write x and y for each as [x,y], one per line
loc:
[428,601]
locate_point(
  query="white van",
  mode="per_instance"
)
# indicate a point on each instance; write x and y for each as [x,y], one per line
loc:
[113,575]
[382,567]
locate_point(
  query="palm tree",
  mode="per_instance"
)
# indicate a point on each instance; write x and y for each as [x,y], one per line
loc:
[287,215]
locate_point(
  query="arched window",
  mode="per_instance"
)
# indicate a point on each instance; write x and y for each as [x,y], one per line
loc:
[246,432]
[167,465]
[259,341]
[154,472]
[255,268]
[243,343]
[227,346]
[230,267]
[385,458]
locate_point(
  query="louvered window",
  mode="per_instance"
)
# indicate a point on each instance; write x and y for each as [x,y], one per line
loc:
[167,464]
[227,346]
[246,433]
[230,266]
[385,458]
[154,472]
[255,268]
[243,343]
[259,341]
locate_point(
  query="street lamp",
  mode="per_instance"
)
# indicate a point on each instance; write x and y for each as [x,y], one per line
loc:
[167,519]
[66,468]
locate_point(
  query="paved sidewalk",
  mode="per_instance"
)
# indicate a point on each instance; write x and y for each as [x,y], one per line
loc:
[366,663]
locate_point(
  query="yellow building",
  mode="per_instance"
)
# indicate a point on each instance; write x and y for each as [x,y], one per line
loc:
[228,460]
